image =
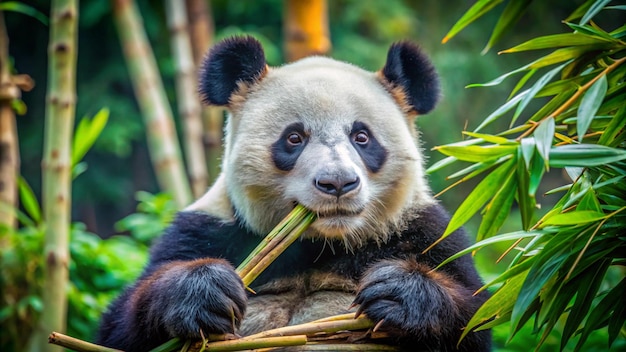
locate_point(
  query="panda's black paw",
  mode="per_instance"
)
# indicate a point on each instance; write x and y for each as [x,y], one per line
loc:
[405,299]
[191,299]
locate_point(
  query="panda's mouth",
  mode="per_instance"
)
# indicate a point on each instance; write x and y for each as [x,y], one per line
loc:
[338,212]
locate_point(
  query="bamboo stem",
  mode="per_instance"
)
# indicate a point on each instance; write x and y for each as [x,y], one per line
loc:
[278,249]
[155,109]
[76,344]
[316,327]
[246,344]
[187,97]
[9,151]
[59,122]
[278,233]
[201,32]
[306,28]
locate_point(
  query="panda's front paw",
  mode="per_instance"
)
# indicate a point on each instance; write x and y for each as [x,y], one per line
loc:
[404,298]
[191,299]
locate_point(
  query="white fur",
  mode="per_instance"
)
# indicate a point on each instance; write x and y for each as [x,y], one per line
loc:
[327,96]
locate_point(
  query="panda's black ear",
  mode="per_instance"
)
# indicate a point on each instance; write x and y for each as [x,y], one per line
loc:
[230,62]
[409,69]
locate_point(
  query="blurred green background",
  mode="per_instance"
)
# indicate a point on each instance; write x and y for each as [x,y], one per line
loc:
[119,165]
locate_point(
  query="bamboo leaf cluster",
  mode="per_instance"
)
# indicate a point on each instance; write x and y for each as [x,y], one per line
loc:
[568,110]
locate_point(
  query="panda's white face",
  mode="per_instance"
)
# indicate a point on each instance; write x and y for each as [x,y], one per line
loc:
[329,136]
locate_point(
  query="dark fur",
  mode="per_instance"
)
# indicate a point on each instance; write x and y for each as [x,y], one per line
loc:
[231,62]
[423,308]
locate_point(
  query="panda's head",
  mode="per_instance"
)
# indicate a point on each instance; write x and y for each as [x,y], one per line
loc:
[335,138]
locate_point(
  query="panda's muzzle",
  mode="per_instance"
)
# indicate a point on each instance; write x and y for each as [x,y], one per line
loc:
[337,185]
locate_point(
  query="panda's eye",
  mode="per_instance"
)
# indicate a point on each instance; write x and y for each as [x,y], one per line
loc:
[294,138]
[361,137]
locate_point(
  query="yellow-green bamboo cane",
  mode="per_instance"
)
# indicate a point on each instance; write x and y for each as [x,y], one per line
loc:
[186,92]
[59,122]
[201,33]
[157,113]
[9,153]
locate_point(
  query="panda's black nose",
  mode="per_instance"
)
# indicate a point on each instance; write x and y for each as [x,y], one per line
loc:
[337,185]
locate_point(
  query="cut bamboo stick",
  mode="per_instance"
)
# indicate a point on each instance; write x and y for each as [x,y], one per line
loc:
[278,233]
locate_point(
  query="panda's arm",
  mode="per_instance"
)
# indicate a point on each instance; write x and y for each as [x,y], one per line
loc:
[189,285]
[419,304]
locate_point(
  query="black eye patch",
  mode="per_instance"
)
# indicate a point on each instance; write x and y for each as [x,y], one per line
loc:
[372,152]
[287,149]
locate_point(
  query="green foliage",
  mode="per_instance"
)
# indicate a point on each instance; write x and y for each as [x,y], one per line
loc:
[565,270]
[154,213]
[99,269]
[20,7]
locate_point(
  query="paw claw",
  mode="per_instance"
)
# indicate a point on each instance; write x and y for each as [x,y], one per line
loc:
[378,325]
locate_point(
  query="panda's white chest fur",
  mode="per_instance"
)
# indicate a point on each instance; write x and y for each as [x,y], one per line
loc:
[297,300]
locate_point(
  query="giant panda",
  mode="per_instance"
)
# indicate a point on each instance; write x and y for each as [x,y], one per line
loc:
[342,142]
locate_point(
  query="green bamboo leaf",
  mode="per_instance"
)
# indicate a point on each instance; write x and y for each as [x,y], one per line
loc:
[498,209]
[18,6]
[556,41]
[511,14]
[589,105]
[616,321]
[580,11]
[477,168]
[499,304]
[585,155]
[29,200]
[527,146]
[591,31]
[589,202]
[593,10]
[499,79]
[501,319]
[533,90]
[574,218]
[86,134]
[584,298]
[573,83]
[615,127]
[480,8]
[441,164]
[537,277]
[507,237]
[490,138]
[552,105]
[601,311]
[479,196]
[612,181]
[620,32]
[536,170]
[502,110]
[557,300]
[525,201]
[544,134]
[561,55]
[476,153]
[522,82]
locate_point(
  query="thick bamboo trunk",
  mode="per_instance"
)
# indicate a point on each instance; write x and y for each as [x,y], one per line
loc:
[201,32]
[60,109]
[155,109]
[9,152]
[187,96]
[306,28]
